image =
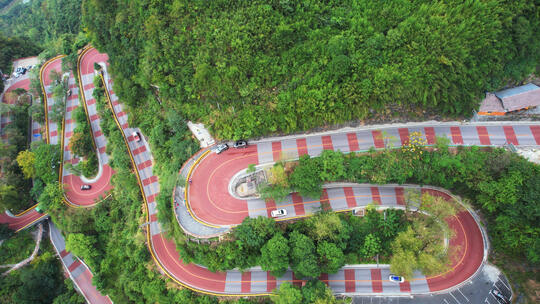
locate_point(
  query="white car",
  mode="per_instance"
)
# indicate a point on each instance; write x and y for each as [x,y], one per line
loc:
[221,148]
[278,213]
[395,278]
[136,136]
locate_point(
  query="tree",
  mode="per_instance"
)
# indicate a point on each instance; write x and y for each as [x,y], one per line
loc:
[37,112]
[305,178]
[275,255]
[372,246]
[251,235]
[76,170]
[317,292]
[303,256]
[331,165]
[5,232]
[39,282]
[26,160]
[52,197]
[80,144]
[287,294]
[14,47]
[328,226]
[403,263]
[331,257]
[83,246]
[254,232]
[47,162]
[56,114]
[9,198]
[273,192]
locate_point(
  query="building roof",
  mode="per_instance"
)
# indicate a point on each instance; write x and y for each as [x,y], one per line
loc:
[491,105]
[521,97]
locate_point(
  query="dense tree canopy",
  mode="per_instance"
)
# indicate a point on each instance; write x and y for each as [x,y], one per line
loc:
[252,67]
[13,48]
[44,22]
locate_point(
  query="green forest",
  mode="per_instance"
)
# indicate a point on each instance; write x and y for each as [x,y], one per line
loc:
[249,68]
[252,68]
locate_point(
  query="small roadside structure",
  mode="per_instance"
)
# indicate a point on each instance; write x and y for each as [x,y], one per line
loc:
[510,100]
[201,133]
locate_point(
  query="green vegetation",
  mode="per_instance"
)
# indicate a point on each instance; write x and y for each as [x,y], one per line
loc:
[109,238]
[81,145]
[256,67]
[4,3]
[51,24]
[42,281]
[14,186]
[13,48]
[319,244]
[421,246]
[5,232]
[59,86]
[313,292]
[45,27]
[505,186]
[16,248]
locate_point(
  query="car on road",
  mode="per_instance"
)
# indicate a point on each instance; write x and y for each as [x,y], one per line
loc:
[221,148]
[240,144]
[500,298]
[395,278]
[136,136]
[86,187]
[278,213]
[358,211]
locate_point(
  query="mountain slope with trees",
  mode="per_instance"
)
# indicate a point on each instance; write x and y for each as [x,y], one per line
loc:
[252,68]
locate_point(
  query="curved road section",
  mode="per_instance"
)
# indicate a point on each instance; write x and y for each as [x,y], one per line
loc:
[30,216]
[213,205]
[77,270]
[100,185]
[79,273]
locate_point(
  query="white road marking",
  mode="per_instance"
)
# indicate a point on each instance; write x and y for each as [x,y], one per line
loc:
[445,301]
[454,297]
[496,301]
[497,287]
[463,295]
[505,284]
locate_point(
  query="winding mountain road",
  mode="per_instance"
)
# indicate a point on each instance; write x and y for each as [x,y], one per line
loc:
[28,217]
[212,205]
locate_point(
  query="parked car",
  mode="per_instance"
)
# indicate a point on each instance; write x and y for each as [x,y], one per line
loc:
[136,136]
[221,148]
[278,213]
[240,144]
[358,211]
[395,278]
[500,298]
[86,187]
